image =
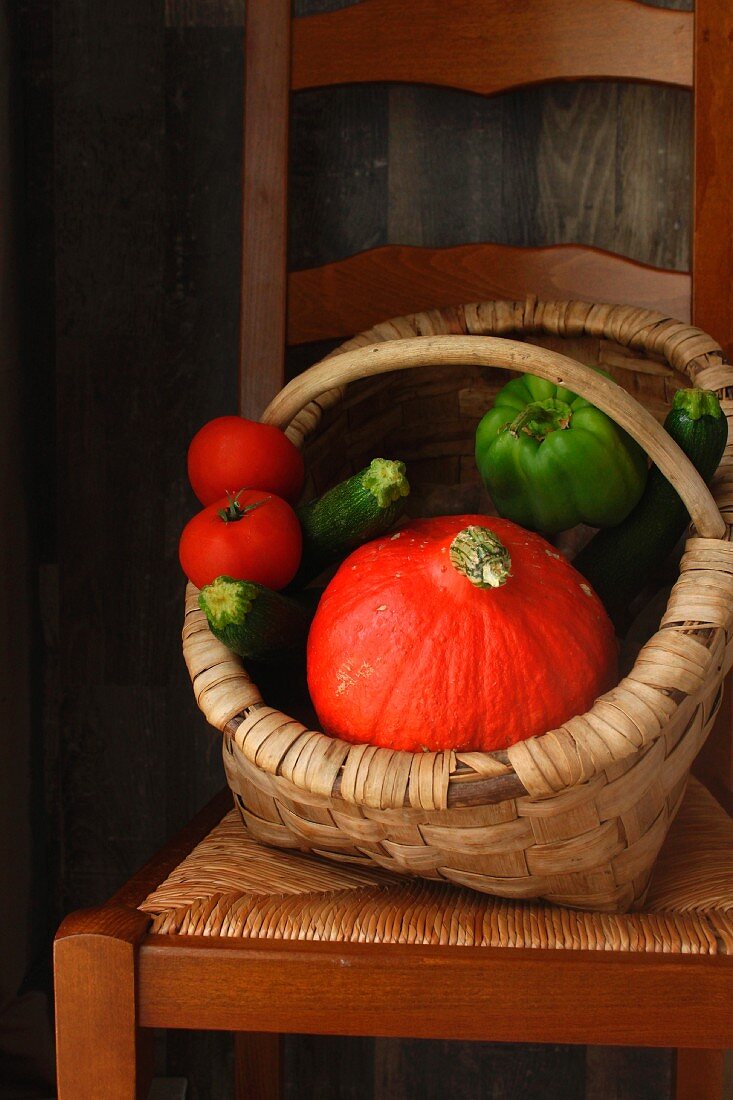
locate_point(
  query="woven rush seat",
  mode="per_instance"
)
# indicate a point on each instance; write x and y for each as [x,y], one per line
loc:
[232,886]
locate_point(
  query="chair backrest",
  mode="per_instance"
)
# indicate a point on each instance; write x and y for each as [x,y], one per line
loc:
[482,46]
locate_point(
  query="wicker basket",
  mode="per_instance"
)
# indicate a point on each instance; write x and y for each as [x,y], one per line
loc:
[577,815]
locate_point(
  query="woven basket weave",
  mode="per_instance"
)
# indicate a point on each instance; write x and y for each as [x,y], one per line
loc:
[577,815]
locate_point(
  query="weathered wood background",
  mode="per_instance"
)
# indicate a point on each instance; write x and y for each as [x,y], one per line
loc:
[133,118]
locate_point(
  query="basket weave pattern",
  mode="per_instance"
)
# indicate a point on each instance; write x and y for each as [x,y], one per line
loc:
[577,815]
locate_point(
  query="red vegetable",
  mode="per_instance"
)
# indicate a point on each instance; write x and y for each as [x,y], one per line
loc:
[254,536]
[230,452]
[441,636]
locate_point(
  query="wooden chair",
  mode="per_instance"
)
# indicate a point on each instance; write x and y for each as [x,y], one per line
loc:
[183,945]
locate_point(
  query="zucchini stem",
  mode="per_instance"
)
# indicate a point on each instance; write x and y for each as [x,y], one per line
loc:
[385,480]
[253,621]
[697,403]
[226,599]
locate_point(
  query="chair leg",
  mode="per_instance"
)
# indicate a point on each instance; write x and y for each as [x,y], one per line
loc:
[699,1074]
[100,1050]
[257,1074]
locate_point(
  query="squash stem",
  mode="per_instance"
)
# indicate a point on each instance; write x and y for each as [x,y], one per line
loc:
[481,557]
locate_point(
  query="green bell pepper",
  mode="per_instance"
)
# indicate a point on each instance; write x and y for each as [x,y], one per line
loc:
[551,460]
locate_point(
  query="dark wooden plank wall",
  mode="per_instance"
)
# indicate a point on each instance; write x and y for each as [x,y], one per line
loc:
[133,213]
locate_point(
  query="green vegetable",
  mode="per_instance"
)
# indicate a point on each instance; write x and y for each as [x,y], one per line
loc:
[620,561]
[358,509]
[252,620]
[551,460]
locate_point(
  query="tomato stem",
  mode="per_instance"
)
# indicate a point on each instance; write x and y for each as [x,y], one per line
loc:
[235,511]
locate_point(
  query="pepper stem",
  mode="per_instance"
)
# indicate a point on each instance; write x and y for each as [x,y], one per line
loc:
[481,557]
[539,418]
[697,403]
[234,509]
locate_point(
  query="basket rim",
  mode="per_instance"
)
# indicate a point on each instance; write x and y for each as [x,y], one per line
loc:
[670,672]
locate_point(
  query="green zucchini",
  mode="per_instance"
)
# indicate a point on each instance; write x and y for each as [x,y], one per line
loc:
[253,621]
[620,561]
[358,509]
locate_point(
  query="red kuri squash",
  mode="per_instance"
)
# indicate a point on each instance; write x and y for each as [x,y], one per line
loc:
[463,632]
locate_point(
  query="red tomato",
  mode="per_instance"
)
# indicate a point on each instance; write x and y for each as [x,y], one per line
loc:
[261,541]
[230,452]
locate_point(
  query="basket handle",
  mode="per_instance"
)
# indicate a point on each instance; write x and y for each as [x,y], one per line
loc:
[492,351]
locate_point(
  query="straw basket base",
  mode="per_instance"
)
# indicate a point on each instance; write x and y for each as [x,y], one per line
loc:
[591,847]
[230,886]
